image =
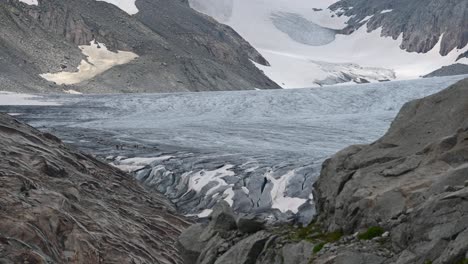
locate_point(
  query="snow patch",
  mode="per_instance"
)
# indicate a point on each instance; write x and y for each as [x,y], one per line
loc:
[229,196]
[386,11]
[136,164]
[30,2]
[203,214]
[366,19]
[199,179]
[99,59]
[144,161]
[278,199]
[71,92]
[128,6]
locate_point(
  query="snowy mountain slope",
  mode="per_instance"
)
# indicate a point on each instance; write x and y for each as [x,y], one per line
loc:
[293,35]
[153,46]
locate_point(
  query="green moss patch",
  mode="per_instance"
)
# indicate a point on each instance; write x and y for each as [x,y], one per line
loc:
[318,247]
[313,233]
[374,231]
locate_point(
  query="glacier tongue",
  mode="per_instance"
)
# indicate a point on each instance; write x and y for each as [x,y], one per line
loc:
[260,151]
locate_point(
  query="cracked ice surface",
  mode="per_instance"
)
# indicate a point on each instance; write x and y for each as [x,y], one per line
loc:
[259,150]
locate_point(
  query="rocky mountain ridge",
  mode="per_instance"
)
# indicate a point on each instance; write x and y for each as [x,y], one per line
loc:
[177,48]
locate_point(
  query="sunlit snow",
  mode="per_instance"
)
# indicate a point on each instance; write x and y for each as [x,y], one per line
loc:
[128,6]
[30,2]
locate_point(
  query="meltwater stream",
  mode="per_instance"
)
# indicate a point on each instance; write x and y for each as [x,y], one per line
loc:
[261,151]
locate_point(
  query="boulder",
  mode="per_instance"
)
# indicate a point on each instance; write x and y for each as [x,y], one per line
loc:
[246,251]
[250,224]
[410,182]
[222,218]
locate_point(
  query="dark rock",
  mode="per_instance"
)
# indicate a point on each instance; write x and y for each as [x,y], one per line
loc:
[246,251]
[190,244]
[250,224]
[454,69]
[222,218]
[53,170]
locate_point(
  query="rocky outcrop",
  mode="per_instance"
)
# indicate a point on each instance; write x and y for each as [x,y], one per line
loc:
[412,182]
[220,242]
[423,23]
[58,205]
[454,69]
[178,48]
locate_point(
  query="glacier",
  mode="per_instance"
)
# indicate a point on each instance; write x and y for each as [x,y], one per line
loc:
[261,151]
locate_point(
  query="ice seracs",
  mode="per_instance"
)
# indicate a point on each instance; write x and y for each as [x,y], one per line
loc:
[99,59]
[128,6]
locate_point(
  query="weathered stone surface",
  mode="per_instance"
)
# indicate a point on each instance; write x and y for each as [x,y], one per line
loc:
[58,205]
[454,69]
[298,253]
[250,224]
[246,251]
[213,243]
[190,243]
[410,182]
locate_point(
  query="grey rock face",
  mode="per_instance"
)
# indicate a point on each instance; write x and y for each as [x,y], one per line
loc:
[422,22]
[246,251]
[454,69]
[191,244]
[411,181]
[250,224]
[179,49]
[222,217]
[298,253]
[58,205]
